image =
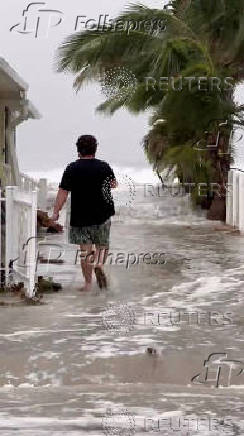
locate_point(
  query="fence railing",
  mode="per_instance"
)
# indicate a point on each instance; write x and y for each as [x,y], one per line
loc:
[235,199]
[27,183]
[20,236]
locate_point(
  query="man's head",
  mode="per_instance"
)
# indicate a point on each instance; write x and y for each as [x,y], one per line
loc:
[86,145]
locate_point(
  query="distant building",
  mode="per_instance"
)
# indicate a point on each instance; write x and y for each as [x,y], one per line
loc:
[14,109]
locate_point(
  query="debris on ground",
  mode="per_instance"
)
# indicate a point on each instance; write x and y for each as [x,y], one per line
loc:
[151,350]
[13,288]
[15,295]
[43,220]
[235,232]
[47,286]
[34,301]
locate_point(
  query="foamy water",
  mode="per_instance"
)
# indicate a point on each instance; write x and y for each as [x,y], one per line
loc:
[64,365]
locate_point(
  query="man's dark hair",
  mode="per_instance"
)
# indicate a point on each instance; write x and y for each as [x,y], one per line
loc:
[86,145]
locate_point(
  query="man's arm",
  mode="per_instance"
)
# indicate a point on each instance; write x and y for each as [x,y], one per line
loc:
[114,184]
[111,177]
[60,201]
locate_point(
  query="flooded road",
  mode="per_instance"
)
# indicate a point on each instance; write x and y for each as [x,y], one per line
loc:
[140,357]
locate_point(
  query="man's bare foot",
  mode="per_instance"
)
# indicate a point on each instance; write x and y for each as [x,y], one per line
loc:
[86,288]
[101,277]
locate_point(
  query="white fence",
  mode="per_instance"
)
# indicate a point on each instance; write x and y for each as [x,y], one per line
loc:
[235,200]
[28,184]
[20,236]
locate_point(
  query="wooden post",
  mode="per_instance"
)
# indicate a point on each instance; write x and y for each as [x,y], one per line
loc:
[31,250]
[9,249]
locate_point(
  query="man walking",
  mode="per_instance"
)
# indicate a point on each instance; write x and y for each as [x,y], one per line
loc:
[90,181]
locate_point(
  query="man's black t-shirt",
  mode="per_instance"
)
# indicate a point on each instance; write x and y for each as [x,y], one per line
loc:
[89,183]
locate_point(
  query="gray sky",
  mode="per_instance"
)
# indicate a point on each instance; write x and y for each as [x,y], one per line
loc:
[48,144]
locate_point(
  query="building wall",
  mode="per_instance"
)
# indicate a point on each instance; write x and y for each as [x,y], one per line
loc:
[9,169]
[2,144]
[238,145]
[235,200]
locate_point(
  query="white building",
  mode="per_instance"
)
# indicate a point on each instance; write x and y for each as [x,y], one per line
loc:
[14,109]
[18,207]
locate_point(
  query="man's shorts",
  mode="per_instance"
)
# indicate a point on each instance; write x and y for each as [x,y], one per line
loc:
[96,234]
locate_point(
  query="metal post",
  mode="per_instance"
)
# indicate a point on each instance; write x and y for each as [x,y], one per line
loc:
[1,232]
[235,198]
[229,198]
[241,202]
[31,250]
[9,249]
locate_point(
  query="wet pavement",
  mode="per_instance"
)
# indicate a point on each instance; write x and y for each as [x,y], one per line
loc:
[133,359]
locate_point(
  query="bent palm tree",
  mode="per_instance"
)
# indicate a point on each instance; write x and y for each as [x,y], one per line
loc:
[199,39]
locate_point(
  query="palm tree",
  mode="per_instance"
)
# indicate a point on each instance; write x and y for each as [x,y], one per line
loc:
[200,38]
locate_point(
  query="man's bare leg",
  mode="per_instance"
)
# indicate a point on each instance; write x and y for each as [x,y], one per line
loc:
[87,264]
[100,260]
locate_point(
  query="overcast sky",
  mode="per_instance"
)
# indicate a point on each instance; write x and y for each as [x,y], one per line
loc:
[49,144]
